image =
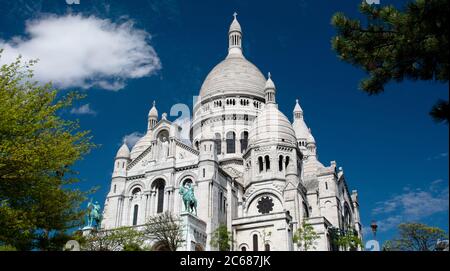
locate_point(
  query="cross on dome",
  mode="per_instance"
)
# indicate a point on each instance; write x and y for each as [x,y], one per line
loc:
[235,14]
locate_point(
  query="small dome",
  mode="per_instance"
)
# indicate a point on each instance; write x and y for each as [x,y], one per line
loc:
[271,126]
[235,26]
[153,112]
[141,145]
[269,83]
[123,152]
[236,76]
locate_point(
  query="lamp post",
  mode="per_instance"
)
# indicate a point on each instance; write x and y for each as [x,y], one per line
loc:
[374,227]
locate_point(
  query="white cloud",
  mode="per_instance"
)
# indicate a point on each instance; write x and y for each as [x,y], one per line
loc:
[83,110]
[412,205]
[438,156]
[131,139]
[78,51]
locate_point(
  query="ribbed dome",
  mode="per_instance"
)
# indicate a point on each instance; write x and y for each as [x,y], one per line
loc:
[141,145]
[234,75]
[123,152]
[272,126]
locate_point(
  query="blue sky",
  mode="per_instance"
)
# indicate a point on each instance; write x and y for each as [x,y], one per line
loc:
[391,150]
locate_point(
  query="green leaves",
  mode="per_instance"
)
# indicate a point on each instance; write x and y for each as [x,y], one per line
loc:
[305,237]
[415,237]
[221,238]
[394,45]
[37,150]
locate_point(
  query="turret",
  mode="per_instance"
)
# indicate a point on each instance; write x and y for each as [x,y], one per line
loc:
[269,91]
[152,117]
[299,125]
[235,38]
[121,161]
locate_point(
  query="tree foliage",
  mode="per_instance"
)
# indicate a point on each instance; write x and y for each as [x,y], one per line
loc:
[305,237]
[397,45]
[37,150]
[221,238]
[120,239]
[346,240]
[165,229]
[415,237]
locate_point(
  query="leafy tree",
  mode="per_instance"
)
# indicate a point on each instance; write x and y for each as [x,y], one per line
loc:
[221,238]
[397,45]
[120,239]
[305,237]
[165,229]
[7,248]
[37,150]
[415,237]
[348,240]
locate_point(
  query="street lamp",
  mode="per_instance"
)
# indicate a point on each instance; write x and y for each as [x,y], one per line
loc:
[374,227]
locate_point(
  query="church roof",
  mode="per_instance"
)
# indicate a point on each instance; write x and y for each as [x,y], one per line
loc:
[235,76]
[235,26]
[299,125]
[141,145]
[153,112]
[123,152]
[271,126]
[269,83]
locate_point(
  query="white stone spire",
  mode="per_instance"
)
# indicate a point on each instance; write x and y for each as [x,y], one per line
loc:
[299,125]
[298,111]
[152,117]
[235,38]
[269,90]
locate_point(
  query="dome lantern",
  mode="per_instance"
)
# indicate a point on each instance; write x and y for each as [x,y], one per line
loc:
[152,117]
[269,90]
[235,38]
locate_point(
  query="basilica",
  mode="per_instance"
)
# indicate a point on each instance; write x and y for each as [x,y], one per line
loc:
[251,169]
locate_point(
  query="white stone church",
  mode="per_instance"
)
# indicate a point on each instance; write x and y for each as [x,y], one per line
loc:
[251,168]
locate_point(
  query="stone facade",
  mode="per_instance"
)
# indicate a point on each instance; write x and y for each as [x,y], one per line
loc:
[251,168]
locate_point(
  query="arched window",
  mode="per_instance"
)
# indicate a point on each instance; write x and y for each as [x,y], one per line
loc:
[280,163]
[287,162]
[135,214]
[231,142]
[243,249]
[261,164]
[244,141]
[218,142]
[188,181]
[159,186]
[267,247]
[115,186]
[196,145]
[255,242]
[267,161]
[220,201]
[305,211]
[347,216]
[135,191]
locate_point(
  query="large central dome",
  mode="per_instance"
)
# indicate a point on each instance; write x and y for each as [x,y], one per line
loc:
[234,76]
